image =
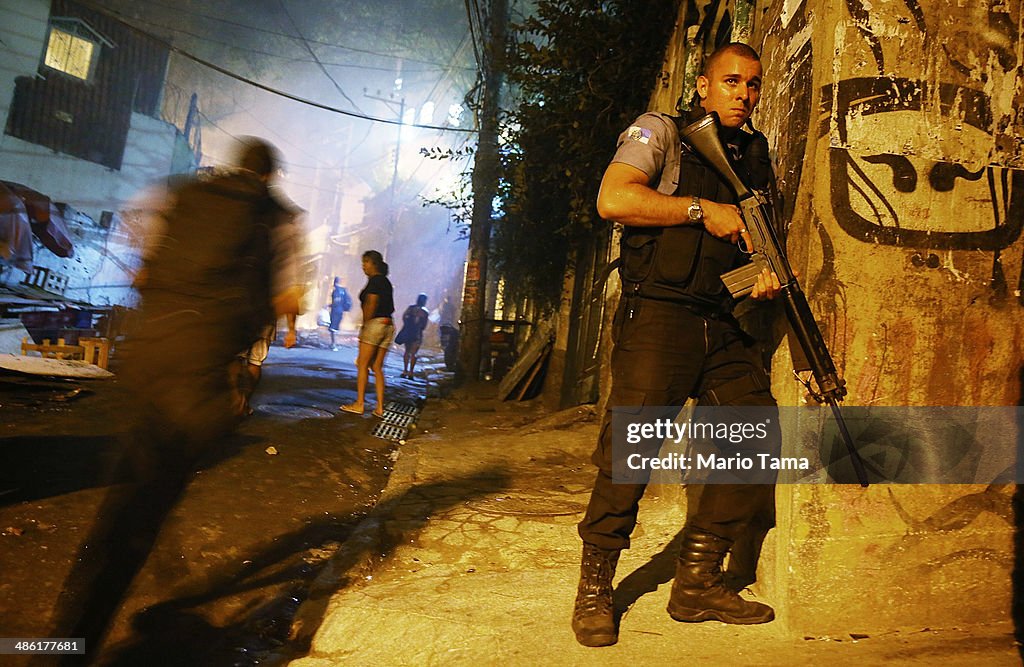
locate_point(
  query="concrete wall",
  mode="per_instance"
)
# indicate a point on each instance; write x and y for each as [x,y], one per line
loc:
[99,270]
[23,31]
[90,187]
[899,150]
[87,186]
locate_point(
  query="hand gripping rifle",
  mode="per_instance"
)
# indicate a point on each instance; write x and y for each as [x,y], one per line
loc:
[767,252]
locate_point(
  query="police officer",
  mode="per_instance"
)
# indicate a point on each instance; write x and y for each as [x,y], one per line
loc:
[214,277]
[675,338]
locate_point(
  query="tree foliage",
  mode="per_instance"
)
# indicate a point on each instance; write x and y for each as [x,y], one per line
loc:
[458,201]
[580,70]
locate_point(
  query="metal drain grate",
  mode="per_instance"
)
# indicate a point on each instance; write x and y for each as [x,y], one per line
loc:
[401,408]
[390,432]
[395,419]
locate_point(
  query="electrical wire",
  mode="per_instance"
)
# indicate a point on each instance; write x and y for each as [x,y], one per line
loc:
[248,49]
[274,91]
[224,71]
[310,49]
[292,165]
[473,35]
[277,137]
[180,10]
[313,103]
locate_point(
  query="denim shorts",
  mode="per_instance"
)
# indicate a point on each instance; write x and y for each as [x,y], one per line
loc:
[378,332]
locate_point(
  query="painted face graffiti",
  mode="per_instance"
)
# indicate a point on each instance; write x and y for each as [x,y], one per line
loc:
[886,183]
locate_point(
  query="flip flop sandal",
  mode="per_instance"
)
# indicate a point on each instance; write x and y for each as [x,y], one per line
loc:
[351,410]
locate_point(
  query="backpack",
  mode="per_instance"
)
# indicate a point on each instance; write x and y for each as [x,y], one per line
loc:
[341,300]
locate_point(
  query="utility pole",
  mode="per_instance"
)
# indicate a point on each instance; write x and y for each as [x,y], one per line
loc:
[392,213]
[485,186]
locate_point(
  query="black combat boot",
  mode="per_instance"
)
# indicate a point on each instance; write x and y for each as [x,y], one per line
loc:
[698,592]
[593,619]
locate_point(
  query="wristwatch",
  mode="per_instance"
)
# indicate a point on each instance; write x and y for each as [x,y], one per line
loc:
[695,212]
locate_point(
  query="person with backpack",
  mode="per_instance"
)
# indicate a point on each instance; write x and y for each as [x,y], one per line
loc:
[414,321]
[341,303]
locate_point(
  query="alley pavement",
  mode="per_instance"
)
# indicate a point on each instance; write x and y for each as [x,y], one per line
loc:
[253,528]
[471,558]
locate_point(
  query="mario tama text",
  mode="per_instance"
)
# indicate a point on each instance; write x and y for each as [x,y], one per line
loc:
[801,445]
[713,461]
[706,445]
[732,432]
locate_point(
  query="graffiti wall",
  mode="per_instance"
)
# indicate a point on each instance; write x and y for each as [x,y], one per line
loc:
[900,149]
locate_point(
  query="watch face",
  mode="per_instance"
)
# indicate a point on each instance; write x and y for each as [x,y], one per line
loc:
[695,212]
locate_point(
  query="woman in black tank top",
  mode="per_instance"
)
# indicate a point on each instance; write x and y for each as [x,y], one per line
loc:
[376,334]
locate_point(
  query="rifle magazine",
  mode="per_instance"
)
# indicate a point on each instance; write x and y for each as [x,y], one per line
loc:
[740,282]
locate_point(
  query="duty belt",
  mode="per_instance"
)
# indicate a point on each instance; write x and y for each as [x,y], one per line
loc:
[728,392]
[632,291]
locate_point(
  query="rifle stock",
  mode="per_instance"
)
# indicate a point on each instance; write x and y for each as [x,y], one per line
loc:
[767,252]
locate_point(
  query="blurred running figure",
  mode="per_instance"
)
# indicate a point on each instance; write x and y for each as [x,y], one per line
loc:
[207,292]
[378,330]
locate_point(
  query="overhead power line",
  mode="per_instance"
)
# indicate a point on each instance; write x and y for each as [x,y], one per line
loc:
[181,10]
[312,103]
[473,35]
[311,53]
[248,49]
[281,93]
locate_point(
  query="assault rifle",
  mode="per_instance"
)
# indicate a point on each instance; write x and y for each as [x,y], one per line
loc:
[766,252]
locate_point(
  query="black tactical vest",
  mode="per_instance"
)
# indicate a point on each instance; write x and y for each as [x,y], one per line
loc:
[218,253]
[684,263]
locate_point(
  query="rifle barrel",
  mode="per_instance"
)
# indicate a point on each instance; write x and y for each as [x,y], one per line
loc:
[858,462]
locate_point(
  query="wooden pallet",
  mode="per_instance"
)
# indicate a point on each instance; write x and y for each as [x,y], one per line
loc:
[95,351]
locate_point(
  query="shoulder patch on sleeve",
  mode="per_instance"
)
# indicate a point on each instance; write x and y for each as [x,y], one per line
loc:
[637,133]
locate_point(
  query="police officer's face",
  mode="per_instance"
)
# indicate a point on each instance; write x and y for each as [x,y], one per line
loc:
[731,87]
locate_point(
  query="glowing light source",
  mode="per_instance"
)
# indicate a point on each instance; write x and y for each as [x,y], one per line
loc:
[455,112]
[427,113]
